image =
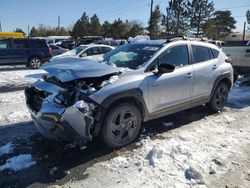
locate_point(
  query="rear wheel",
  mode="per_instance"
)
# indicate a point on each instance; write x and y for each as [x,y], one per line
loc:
[121,125]
[35,62]
[219,98]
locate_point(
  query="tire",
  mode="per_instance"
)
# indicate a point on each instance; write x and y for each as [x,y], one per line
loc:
[121,126]
[219,98]
[35,62]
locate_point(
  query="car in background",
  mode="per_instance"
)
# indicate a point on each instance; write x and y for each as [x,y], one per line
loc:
[30,52]
[68,44]
[57,50]
[92,52]
[136,82]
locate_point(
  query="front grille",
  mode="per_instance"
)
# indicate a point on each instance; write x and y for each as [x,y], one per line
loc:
[34,98]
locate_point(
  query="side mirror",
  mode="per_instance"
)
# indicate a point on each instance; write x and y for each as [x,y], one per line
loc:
[165,68]
[83,55]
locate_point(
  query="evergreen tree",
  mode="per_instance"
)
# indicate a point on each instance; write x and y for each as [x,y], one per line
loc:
[19,30]
[95,25]
[134,28]
[33,32]
[154,23]
[118,29]
[199,12]
[81,27]
[106,29]
[220,25]
[176,17]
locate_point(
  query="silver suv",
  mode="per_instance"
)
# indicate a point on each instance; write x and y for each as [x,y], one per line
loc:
[137,82]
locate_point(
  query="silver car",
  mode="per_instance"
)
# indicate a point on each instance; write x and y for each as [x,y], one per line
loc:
[137,82]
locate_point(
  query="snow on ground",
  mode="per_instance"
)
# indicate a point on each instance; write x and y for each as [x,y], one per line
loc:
[13,108]
[6,149]
[18,76]
[19,162]
[211,152]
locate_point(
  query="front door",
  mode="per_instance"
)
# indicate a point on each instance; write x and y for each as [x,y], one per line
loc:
[169,91]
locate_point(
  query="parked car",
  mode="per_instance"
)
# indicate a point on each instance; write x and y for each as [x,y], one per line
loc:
[57,50]
[68,44]
[137,82]
[30,52]
[241,58]
[89,52]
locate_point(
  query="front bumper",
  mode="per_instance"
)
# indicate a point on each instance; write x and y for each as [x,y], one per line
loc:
[56,122]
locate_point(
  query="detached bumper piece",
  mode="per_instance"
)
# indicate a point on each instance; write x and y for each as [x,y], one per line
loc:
[58,123]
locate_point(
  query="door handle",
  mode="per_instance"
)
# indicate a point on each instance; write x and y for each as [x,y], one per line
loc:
[214,67]
[189,75]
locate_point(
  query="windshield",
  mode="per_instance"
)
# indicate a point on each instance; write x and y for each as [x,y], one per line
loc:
[131,55]
[79,49]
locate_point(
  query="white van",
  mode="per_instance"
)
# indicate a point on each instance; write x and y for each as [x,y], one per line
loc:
[55,39]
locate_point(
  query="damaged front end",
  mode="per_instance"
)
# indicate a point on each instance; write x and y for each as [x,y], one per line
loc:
[63,110]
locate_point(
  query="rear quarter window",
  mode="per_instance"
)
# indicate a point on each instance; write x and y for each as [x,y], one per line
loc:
[201,54]
[37,44]
[215,53]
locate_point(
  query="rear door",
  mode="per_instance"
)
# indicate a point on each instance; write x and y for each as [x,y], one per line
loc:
[19,51]
[5,51]
[205,70]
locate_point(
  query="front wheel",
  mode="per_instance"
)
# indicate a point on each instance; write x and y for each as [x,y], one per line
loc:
[219,98]
[35,62]
[121,125]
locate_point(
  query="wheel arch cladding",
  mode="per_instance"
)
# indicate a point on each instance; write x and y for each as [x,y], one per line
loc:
[226,78]
[134,96]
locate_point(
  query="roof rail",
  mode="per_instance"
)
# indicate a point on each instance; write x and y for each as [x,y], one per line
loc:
[179,37]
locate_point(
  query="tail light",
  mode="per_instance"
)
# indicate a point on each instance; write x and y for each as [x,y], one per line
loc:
[49,51]
[229,60]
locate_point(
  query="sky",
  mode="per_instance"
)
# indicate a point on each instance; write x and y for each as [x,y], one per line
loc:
[21,13]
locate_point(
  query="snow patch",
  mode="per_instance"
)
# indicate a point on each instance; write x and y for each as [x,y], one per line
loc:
[6,149]
[18,163]
[139,38]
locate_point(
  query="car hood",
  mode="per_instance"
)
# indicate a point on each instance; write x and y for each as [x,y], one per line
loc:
[66,54]
[68,69]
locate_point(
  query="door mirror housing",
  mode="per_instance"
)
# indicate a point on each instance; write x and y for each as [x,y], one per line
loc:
[165,68]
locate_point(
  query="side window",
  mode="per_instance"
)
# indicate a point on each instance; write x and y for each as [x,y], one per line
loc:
[93,51]
[200,54]
[105,50]
[4,44]
[18,44]
[215,53]
[177,56]
[53,47]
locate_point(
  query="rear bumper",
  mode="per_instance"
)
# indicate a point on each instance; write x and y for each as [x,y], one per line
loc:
[59,123]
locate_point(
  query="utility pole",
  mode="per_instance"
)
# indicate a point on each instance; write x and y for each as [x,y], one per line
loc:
[244,31]
[150,19]
[28,34]
[0,26]
[58,22]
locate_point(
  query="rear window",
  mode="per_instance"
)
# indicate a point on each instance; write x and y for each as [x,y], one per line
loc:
[37,44]
[201,54]
[105,50]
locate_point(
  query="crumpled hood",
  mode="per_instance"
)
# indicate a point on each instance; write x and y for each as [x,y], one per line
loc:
[68,69]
